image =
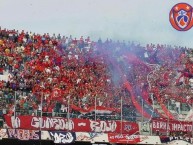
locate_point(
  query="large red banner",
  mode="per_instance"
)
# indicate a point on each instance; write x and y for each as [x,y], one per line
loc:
[74,124]
[164,125]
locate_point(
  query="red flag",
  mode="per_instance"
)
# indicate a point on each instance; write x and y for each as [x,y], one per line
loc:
[56,93]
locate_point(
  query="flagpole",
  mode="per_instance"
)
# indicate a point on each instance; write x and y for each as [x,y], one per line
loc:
[68,114]
[168,117]
[153,111]
[122,112]
[14,106]
[142,110]
[95,108]
[192,121]
[41,117]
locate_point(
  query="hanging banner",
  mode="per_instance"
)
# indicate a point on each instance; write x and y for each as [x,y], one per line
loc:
[91,137]
[123,138]
[45,135]
[144,128]
[62,137]
[74,124]
[97,109]
[3,133]
[23,134]
[163,125]
[133,139]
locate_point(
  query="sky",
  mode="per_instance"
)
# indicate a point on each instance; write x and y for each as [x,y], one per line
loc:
[142,21]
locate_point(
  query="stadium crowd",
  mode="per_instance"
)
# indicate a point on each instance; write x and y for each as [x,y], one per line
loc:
[59,74]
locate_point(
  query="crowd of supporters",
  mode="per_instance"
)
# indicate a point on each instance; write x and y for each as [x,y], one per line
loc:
[50,72]
[60,75]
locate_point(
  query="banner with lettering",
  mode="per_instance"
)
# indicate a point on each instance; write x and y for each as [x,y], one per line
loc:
[133,139]
[62,137]
[3,134]
[74,124]
[163,125]
[23,134]
[123,138]
[91,137]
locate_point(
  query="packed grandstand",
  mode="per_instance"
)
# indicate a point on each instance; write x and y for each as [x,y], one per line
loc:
[132,89]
